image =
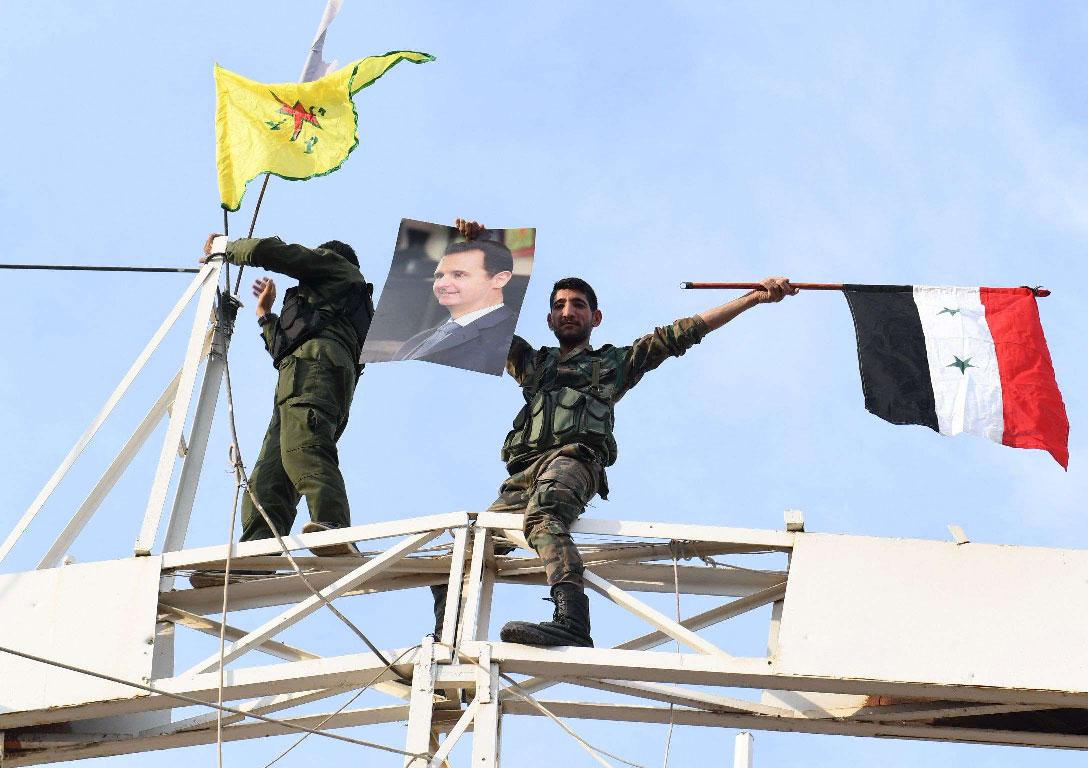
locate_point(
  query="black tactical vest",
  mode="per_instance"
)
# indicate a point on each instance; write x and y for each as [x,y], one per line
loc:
[565,403]
[301,320]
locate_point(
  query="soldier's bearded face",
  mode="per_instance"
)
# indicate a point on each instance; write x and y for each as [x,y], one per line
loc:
[571,319]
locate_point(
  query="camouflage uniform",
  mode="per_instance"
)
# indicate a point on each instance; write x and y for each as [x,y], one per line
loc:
[562,438]
[313,396]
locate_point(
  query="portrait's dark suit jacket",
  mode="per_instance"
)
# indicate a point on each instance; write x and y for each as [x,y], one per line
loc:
[482,345]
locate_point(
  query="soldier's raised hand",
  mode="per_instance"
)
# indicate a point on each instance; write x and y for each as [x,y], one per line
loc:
[470,230]
[265,290]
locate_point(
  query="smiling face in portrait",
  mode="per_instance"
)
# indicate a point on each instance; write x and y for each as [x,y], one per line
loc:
[462,284]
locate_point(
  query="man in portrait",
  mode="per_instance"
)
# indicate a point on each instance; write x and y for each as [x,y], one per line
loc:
[469,282]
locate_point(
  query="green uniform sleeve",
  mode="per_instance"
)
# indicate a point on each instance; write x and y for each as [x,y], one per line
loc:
[519,359]
[654,348]
[322,270]
[268,331]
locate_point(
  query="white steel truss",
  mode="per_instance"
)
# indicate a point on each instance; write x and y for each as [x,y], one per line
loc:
[464,681]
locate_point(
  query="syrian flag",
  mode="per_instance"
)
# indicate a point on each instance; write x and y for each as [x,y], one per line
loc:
[960,360]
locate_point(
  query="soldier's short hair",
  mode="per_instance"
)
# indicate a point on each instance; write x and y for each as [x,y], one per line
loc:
[574,284]
[341,249]
[497,257]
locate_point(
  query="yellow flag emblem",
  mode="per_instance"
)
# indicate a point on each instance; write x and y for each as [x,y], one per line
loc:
[293,130]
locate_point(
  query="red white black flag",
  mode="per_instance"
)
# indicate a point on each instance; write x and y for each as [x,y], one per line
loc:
[960,360]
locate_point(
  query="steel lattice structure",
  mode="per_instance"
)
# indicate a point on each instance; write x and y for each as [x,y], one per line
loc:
[875,637]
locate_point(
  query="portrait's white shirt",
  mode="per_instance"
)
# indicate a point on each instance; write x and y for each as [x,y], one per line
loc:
[464,320]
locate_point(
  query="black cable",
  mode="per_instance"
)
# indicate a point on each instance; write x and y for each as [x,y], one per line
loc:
[81,268]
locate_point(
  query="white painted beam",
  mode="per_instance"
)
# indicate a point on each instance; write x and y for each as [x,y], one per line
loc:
[109,478]
[213,628]
[421,707]
[287,590]
[685,697]
[454,735]
[486,727]
[695,623]
[202,556]
[312,604]
[179,413]
[671,628]
[743,750]
[208,273]
[454,587]
[769,540]
[644,714]
[472,600]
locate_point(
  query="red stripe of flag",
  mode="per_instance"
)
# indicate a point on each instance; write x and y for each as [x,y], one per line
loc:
[1033,408]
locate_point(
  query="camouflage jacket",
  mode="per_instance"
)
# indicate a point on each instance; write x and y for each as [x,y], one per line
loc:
[569,399]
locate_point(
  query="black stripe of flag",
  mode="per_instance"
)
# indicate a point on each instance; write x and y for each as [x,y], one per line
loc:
[895,374]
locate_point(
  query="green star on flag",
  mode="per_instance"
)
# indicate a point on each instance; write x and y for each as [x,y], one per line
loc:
[963,365]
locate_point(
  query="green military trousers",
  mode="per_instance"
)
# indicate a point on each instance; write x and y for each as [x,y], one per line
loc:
[298,457]
[552,492]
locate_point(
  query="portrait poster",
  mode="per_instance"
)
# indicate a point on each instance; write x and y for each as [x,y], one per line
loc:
[449,300]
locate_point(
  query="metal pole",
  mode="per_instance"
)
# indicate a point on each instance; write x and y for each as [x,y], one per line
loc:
[742,750]
[759,286]
[226,312]
[178,414]
[1038,291]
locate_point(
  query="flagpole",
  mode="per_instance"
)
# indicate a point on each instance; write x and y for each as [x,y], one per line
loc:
[759,286]
[313,68]
[226,264]
[252,227]
[1037,290]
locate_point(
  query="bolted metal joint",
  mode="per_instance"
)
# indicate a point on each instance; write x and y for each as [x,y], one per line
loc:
[226,312]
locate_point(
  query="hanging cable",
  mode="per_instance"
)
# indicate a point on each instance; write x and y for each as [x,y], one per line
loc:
[513,686]
[675,548]
[83,268]
[344,706]
[212,704]
[226,591]
[272,527]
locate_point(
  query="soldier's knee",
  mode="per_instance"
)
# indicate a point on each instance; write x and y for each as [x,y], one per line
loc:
[545,532]
[556,496]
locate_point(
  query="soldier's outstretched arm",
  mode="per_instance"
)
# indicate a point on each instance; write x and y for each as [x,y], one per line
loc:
[317,266]
[774,290]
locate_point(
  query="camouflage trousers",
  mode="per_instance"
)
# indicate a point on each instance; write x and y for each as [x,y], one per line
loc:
[298,457]
[552,492]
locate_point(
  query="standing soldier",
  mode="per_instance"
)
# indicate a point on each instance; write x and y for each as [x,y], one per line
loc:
[562,438]
[314,343]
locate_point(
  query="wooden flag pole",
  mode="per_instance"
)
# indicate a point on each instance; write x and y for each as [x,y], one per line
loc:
[759,286]
[1039,291]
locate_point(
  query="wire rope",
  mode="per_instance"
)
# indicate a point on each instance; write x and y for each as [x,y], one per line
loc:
[212,704]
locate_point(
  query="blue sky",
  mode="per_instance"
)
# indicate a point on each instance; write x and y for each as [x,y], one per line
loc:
[926,143]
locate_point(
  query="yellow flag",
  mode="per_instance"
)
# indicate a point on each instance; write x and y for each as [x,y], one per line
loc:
[294,130]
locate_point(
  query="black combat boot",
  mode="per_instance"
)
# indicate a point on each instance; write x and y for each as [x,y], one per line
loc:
[569,624]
